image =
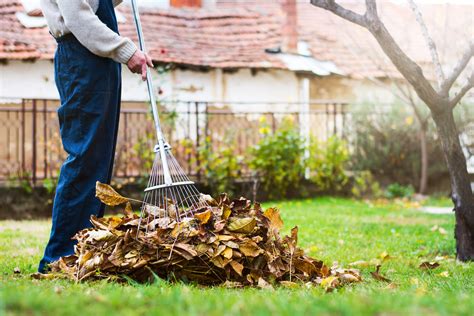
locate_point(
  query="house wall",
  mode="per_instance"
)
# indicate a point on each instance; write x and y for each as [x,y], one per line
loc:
[352,90]
[35,80]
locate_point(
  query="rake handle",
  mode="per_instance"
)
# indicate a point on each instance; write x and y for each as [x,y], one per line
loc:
[151,95]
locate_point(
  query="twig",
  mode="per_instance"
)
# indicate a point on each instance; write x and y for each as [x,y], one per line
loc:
[429,40]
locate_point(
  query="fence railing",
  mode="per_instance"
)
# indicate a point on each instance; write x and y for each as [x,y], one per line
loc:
[30,144]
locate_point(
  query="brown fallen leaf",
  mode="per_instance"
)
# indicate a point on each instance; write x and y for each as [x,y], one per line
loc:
[237,266]
[330,283]
[233,243]
[391,286]
[128,210]
[429,265]
[360,264]
[385,256]
[203,217]
[376,275]
[264,284]
[108,195]
[273,214]
[241,225]
[44,276]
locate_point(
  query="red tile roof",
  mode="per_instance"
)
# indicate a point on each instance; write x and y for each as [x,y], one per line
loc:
[354,50]
[224,38]
[231,36]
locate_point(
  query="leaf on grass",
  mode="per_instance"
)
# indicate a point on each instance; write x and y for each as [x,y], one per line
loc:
[16,270]
[360,264]
[243,225]
[289,284]
[349,278]
[444,274]
[385,256]
[330,283]
[391,286]
[264,284]
[376,275]
[108,195]
[44,276]
[429,265]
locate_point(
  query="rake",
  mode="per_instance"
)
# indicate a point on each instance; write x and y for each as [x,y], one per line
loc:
[170,194]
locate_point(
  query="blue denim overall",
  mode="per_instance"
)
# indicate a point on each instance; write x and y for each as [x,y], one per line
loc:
[89,88]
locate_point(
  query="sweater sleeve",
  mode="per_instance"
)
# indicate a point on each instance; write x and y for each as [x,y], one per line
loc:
[80,19]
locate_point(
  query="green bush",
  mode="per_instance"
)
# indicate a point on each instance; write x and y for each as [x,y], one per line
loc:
[396,190]
[221,167]
[387,145]
[327,163]
[365,186]
[277,159]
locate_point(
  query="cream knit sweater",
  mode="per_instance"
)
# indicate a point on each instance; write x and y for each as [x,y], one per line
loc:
[78,17]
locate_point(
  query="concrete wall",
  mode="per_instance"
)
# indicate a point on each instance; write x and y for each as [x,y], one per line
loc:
[35,80]
[352,90]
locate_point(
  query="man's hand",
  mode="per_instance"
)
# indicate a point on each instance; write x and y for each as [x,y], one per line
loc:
[138,62]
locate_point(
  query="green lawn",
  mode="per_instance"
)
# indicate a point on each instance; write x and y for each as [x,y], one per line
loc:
[331,229]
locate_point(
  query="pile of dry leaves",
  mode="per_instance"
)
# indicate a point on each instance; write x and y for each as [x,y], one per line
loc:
[231,242]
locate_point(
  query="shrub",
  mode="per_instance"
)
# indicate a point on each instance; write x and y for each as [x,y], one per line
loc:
[387,144]
[327,163]
[396,190]
[277,159]
[365,186]
[221,167]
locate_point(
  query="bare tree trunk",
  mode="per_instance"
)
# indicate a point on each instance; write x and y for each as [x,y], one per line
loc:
[461,195]
[441,106]
[424,159]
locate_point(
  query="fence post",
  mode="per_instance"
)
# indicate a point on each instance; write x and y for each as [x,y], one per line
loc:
[45,137]
[188,135]
[23,137]
[33,143]
[335,106]
[198,160]
[125,137]
[305,128]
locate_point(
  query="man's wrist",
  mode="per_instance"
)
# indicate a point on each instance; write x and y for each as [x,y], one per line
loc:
[126,52]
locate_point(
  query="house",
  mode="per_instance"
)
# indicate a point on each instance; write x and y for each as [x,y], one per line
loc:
[231,55]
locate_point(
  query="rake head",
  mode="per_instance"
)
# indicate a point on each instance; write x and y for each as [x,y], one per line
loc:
[170,195]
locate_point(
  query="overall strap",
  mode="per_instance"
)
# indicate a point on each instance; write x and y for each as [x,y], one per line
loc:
[106,13]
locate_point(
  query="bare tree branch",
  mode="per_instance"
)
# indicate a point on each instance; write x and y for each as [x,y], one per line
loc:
[344,13]
[371,6]
[431,44]
[457,70]
[468,86]
[407,67]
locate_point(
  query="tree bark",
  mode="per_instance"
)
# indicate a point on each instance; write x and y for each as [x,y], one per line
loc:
[441,107]
[461,194]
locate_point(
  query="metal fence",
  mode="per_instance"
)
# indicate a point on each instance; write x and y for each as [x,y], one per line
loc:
[30,144]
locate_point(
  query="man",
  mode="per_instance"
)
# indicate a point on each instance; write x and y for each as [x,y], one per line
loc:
[88,77]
